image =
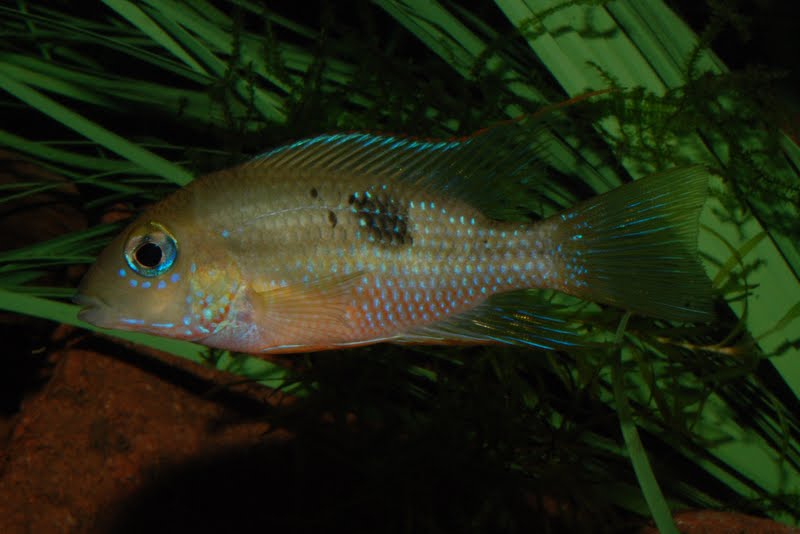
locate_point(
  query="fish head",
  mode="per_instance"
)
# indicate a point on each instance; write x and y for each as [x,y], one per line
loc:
[146,280]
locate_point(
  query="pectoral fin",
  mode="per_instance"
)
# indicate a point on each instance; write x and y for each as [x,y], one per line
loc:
[307,314]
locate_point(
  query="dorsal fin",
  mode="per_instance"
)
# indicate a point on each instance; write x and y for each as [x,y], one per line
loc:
[480,169]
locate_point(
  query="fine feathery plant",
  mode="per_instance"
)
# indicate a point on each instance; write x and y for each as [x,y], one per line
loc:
[130,99]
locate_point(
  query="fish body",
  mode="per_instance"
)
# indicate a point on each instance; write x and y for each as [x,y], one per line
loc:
[351,239]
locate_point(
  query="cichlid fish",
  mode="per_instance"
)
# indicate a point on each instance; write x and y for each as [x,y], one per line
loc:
[351,239]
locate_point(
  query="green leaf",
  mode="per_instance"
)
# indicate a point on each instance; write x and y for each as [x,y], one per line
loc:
[93,131]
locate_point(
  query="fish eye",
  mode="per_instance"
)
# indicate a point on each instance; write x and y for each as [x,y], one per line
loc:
[148,255]
[151,250]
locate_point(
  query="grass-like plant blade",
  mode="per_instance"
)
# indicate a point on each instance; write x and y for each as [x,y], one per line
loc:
[135,153]
[46,152]
[576,56]
[259,370]
[219,37]
[54,84]
[141,20]
[68,314]
[584,45]
[641,465]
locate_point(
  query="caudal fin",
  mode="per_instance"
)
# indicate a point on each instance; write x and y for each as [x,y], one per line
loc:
[636,246]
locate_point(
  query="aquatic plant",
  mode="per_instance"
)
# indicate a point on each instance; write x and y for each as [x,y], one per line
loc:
[131,100]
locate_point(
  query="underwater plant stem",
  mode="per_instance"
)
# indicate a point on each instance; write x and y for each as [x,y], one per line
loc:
[659,509]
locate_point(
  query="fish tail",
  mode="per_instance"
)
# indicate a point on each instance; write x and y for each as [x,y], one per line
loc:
[636,247]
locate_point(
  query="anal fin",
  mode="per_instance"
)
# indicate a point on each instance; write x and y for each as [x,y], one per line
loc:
[515,318]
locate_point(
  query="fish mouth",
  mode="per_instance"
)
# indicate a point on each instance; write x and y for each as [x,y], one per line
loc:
[94,310]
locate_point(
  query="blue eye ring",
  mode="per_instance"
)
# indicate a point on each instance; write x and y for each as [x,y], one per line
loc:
[151,250]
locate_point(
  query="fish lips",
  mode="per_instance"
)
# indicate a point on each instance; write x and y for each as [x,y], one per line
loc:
[93,310]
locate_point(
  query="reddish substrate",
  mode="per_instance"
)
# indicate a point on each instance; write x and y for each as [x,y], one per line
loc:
[103,428]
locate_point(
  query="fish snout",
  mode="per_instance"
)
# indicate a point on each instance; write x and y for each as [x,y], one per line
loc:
[92,308]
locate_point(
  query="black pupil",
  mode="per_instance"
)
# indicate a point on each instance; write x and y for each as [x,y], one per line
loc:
[149,255]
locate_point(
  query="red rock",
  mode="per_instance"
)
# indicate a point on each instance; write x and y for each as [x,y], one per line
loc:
[95,434]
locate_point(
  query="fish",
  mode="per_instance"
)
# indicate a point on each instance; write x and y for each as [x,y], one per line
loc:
[350,239]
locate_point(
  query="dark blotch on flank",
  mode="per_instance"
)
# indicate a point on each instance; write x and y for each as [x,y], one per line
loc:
[314,192]
[332,219]
[382,218]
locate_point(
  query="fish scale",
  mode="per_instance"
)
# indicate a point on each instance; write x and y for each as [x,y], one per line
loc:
[412,280]
[351,239]
[449,260]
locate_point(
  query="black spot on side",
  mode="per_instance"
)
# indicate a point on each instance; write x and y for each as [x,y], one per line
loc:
[381,218]
[314,193]
[332,219]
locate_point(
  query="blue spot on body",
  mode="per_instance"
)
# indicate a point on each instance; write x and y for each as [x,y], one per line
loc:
[174,278]
[146,284]
[226,234]
[187,320]
[133,283]
[123,273]
[161,284]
